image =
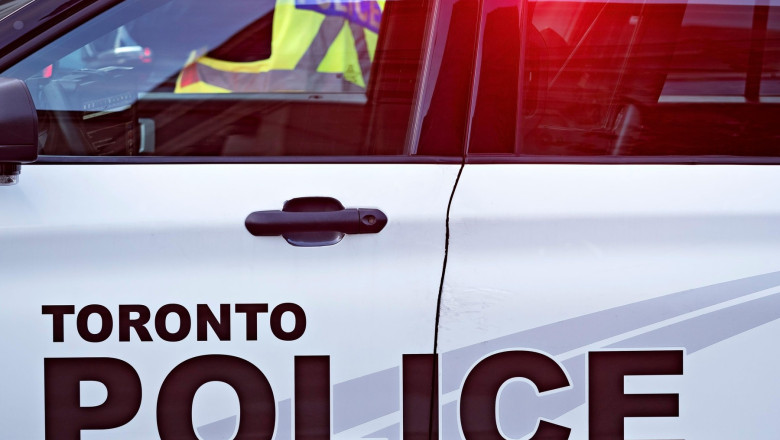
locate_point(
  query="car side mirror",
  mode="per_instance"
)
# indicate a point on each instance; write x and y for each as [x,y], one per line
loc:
[18,129]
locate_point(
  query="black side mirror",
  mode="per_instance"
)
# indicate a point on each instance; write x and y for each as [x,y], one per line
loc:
[18,129]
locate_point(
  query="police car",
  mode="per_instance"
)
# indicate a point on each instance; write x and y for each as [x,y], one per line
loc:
[389,219]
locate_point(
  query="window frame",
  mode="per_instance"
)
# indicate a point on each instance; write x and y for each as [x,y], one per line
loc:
[50,25]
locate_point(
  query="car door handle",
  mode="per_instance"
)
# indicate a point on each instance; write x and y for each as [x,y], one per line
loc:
[346,221]
[315,221]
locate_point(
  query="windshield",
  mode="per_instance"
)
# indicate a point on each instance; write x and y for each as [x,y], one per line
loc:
[147,43]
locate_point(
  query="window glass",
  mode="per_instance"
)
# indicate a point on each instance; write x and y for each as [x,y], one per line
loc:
[698,77]
[7,7]
[238,78]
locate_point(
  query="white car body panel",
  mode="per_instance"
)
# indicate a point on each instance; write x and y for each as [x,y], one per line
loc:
[159,234]
[571,259]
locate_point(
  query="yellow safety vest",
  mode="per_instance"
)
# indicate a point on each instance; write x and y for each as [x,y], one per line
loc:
[316,47]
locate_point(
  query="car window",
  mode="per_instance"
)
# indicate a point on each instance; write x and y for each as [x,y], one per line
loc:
[698,77]
[244,78]
[9,6]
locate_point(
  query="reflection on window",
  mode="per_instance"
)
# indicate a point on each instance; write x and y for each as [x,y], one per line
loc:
[652,77]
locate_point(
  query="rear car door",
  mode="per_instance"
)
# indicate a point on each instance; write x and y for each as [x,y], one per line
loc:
[613,261]
[262,262]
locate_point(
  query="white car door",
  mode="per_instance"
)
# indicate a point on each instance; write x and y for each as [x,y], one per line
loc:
[142,298]
[613,264]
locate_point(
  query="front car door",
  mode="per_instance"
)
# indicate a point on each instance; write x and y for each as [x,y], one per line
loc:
[138,300]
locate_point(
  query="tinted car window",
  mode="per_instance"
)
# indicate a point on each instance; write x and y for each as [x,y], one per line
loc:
[244,78]
[9,6]
[629,78]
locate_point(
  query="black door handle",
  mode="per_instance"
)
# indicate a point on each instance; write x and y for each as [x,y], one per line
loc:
[315,221]
[346,221]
